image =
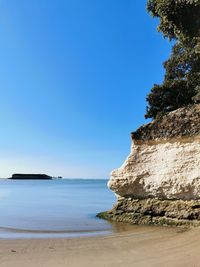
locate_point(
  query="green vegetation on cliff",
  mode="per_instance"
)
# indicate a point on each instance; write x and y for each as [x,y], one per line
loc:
[179,21]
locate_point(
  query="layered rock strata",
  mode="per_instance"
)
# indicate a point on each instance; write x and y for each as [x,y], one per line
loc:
[165,169]
[159,183]
[154,211]
[179,123]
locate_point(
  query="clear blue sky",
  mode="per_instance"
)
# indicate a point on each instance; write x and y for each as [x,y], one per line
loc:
[74,76]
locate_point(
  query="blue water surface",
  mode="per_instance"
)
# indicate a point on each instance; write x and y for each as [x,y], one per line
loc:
[53,208]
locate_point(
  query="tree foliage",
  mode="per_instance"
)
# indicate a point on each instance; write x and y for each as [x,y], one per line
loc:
[180,21]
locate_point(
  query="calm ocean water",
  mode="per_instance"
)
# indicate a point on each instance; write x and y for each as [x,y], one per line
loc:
[53,208]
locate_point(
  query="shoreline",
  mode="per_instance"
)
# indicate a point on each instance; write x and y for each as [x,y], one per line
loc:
[139,247]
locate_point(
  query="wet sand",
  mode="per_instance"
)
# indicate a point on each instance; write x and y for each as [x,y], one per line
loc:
[142,246]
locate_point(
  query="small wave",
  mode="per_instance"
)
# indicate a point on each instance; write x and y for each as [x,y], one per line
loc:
[41,231]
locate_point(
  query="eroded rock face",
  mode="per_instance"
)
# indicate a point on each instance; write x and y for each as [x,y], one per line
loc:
[153,211]
[159,183]
[165,169]
[183,122]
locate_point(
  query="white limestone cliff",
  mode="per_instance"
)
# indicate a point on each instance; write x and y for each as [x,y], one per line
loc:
[159,183]
[164,169]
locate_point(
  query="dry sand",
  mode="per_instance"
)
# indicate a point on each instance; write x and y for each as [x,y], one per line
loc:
[143,246]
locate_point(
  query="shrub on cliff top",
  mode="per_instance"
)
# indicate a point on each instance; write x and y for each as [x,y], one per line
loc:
[179,21]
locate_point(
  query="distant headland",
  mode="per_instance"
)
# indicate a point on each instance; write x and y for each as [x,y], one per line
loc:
[20,176]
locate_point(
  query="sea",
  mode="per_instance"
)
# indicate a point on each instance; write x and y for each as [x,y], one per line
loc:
[56,208]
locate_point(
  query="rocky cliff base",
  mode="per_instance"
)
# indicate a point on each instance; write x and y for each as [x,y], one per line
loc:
[153,211]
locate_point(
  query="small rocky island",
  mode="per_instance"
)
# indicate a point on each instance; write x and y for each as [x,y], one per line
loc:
[19,176]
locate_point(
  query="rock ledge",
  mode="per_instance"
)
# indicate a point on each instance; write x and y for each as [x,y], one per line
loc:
[155,212]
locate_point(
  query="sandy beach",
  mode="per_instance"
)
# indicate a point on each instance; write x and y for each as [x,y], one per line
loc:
[148,246]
